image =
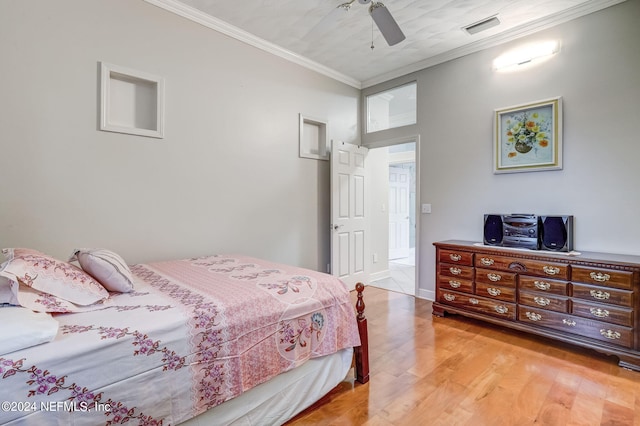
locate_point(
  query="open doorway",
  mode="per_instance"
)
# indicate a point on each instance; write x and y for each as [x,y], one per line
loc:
[395,200]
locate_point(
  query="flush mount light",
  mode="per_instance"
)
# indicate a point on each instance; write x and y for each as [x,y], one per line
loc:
[525,55]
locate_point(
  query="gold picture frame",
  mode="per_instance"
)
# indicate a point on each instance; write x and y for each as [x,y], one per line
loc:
[528,137]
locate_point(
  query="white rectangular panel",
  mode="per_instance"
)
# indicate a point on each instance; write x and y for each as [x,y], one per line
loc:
[343,254]
[358,189]
[344,157]
[358,160]
[404,201]
[358,251]
[343,196]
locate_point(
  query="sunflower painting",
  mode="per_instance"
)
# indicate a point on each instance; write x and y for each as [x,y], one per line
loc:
[528,137]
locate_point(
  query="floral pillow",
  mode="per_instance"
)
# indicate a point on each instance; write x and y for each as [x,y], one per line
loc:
[51,276]
[39,301]
[107,267]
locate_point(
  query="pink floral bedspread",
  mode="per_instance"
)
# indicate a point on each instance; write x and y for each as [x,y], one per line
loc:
[193,334]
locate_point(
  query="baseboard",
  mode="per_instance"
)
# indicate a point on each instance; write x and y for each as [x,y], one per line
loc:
[426,294]
[380,275]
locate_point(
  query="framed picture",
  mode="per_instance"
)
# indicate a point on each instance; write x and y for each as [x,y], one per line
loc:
[528,137]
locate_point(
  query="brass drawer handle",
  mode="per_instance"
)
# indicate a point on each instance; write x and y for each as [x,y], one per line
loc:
[455,257]
[570,323]
[455,284]
[551,270]
[449,297]
[501,309]
[600,313]
[542,301]
[599,294]
[455,271]
[494,291]
[473,301]
[600,277]
[533,316]
[486,261]
[610,334]
[494,277]
[541,285]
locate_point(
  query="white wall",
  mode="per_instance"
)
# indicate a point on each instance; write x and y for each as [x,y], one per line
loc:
[597,74]
[226,177]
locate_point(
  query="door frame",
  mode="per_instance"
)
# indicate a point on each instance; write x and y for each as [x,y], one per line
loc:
[398,141]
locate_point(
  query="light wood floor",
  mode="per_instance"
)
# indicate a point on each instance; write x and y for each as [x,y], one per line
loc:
[456,371]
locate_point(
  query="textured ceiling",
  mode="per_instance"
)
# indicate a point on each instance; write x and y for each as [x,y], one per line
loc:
[341,40]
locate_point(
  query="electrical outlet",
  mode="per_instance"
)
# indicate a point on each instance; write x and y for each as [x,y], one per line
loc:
[426,208]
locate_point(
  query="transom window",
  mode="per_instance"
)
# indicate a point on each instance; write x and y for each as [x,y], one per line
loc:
[392,108]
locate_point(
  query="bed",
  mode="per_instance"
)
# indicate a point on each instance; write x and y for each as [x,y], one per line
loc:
[222,339]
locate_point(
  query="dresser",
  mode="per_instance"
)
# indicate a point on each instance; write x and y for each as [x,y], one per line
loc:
[587,299]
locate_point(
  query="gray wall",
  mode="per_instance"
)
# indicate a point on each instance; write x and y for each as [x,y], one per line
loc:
[226,177]
[597,74]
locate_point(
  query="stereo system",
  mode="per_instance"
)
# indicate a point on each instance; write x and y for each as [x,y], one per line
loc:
[529,231]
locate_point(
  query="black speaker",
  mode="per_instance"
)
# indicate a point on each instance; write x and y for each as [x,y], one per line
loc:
[556,233]
[493,229]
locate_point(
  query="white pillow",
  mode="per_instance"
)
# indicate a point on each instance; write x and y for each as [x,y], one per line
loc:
[6,294]
[22,328]
[106,267]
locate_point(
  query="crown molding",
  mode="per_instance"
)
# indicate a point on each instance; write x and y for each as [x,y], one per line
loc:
[195,15]
[507,36]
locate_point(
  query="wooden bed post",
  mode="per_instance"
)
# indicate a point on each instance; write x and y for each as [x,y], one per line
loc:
[362,351]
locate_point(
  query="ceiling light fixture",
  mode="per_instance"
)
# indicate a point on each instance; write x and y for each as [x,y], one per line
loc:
[525,55]
[483,25]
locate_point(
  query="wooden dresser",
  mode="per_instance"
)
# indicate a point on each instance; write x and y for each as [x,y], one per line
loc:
[591,299]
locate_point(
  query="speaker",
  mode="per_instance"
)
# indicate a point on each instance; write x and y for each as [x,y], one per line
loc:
[556,233]
[493,229]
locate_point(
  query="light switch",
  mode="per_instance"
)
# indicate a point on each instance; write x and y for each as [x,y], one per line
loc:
[426,208]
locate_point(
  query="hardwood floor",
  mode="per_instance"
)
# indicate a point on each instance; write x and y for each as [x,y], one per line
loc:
[457,371]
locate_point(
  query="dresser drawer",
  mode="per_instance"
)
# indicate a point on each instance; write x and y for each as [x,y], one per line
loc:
[456,257]
[528,266]
[489,276]
[456,284]
[478,304]
[607,277]
[456,271]
[606,313]
[544,301]
[603,295]
[508,294]
[543,285]
[610,333]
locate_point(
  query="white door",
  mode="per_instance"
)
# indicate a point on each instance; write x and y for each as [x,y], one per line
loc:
[349,213]
[399,211]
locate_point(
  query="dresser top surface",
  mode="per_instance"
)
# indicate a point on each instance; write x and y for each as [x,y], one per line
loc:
[572,257]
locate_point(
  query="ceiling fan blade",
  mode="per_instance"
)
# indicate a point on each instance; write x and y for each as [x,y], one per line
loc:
[386,24]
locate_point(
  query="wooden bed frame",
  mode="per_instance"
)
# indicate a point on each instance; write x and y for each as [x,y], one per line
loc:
[361,352]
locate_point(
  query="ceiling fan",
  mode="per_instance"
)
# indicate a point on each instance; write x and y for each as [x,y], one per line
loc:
[382,17]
